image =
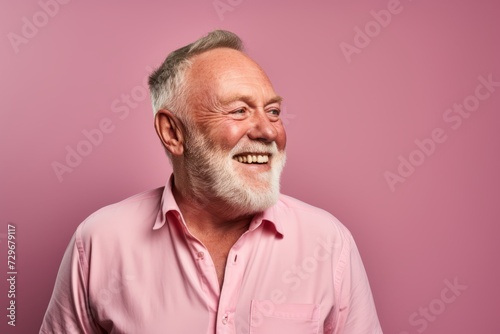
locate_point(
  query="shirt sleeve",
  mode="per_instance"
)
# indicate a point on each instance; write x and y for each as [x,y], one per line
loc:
[69,309]
[356,313]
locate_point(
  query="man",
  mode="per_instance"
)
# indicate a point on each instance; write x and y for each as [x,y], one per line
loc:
[218,250]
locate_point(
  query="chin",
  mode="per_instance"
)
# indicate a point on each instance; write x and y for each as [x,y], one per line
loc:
[244,188]
[253,195]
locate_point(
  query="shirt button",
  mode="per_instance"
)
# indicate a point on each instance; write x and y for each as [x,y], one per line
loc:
[201,255]
[225,319]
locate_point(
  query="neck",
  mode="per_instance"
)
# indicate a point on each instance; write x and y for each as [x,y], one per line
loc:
[208,217]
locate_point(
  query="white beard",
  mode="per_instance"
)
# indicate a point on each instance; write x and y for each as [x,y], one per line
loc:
[213,177]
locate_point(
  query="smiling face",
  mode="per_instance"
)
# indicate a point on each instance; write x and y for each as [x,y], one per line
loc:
[235,148]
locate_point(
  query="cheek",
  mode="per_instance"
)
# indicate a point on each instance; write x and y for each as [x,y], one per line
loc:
[228,135]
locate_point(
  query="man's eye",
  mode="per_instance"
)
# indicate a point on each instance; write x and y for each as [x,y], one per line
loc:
[275,112]
[239,111]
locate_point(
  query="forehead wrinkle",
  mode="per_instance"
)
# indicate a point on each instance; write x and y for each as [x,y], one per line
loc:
[214,67]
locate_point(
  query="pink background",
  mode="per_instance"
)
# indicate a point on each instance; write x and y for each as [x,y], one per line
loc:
[347,123]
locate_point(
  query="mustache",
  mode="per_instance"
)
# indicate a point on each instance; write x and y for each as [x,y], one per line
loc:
[255,147]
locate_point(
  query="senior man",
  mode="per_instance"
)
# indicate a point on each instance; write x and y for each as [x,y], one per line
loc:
[218,249]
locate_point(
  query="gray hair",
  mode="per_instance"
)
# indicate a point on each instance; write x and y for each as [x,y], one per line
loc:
[168,85]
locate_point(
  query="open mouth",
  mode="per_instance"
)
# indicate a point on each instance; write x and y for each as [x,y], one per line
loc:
[252,158]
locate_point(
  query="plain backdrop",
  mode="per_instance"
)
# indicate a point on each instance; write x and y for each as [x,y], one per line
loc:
[372,92]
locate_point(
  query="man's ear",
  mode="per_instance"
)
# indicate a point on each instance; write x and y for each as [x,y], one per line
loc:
[170,130]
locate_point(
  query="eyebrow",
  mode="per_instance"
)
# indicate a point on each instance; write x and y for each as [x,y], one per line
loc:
[239,97]
[276,99]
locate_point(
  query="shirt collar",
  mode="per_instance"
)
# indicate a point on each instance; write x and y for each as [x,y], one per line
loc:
[269,216]
[168,204]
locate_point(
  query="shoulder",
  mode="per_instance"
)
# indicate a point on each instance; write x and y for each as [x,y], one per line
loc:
[295,205]
[129,215]
[299,214]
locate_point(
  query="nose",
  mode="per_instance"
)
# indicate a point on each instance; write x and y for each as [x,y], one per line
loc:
[261,128]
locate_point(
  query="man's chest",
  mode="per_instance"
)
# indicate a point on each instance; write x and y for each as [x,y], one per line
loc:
[267,287]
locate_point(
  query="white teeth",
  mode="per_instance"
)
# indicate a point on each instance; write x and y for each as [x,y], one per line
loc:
[252,158]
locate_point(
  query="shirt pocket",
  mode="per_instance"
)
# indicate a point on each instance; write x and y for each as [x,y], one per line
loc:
[267,317]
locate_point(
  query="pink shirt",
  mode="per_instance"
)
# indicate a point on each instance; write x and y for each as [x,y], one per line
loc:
[134,267]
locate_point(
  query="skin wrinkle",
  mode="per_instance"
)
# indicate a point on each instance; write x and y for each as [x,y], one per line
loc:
[210,70]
